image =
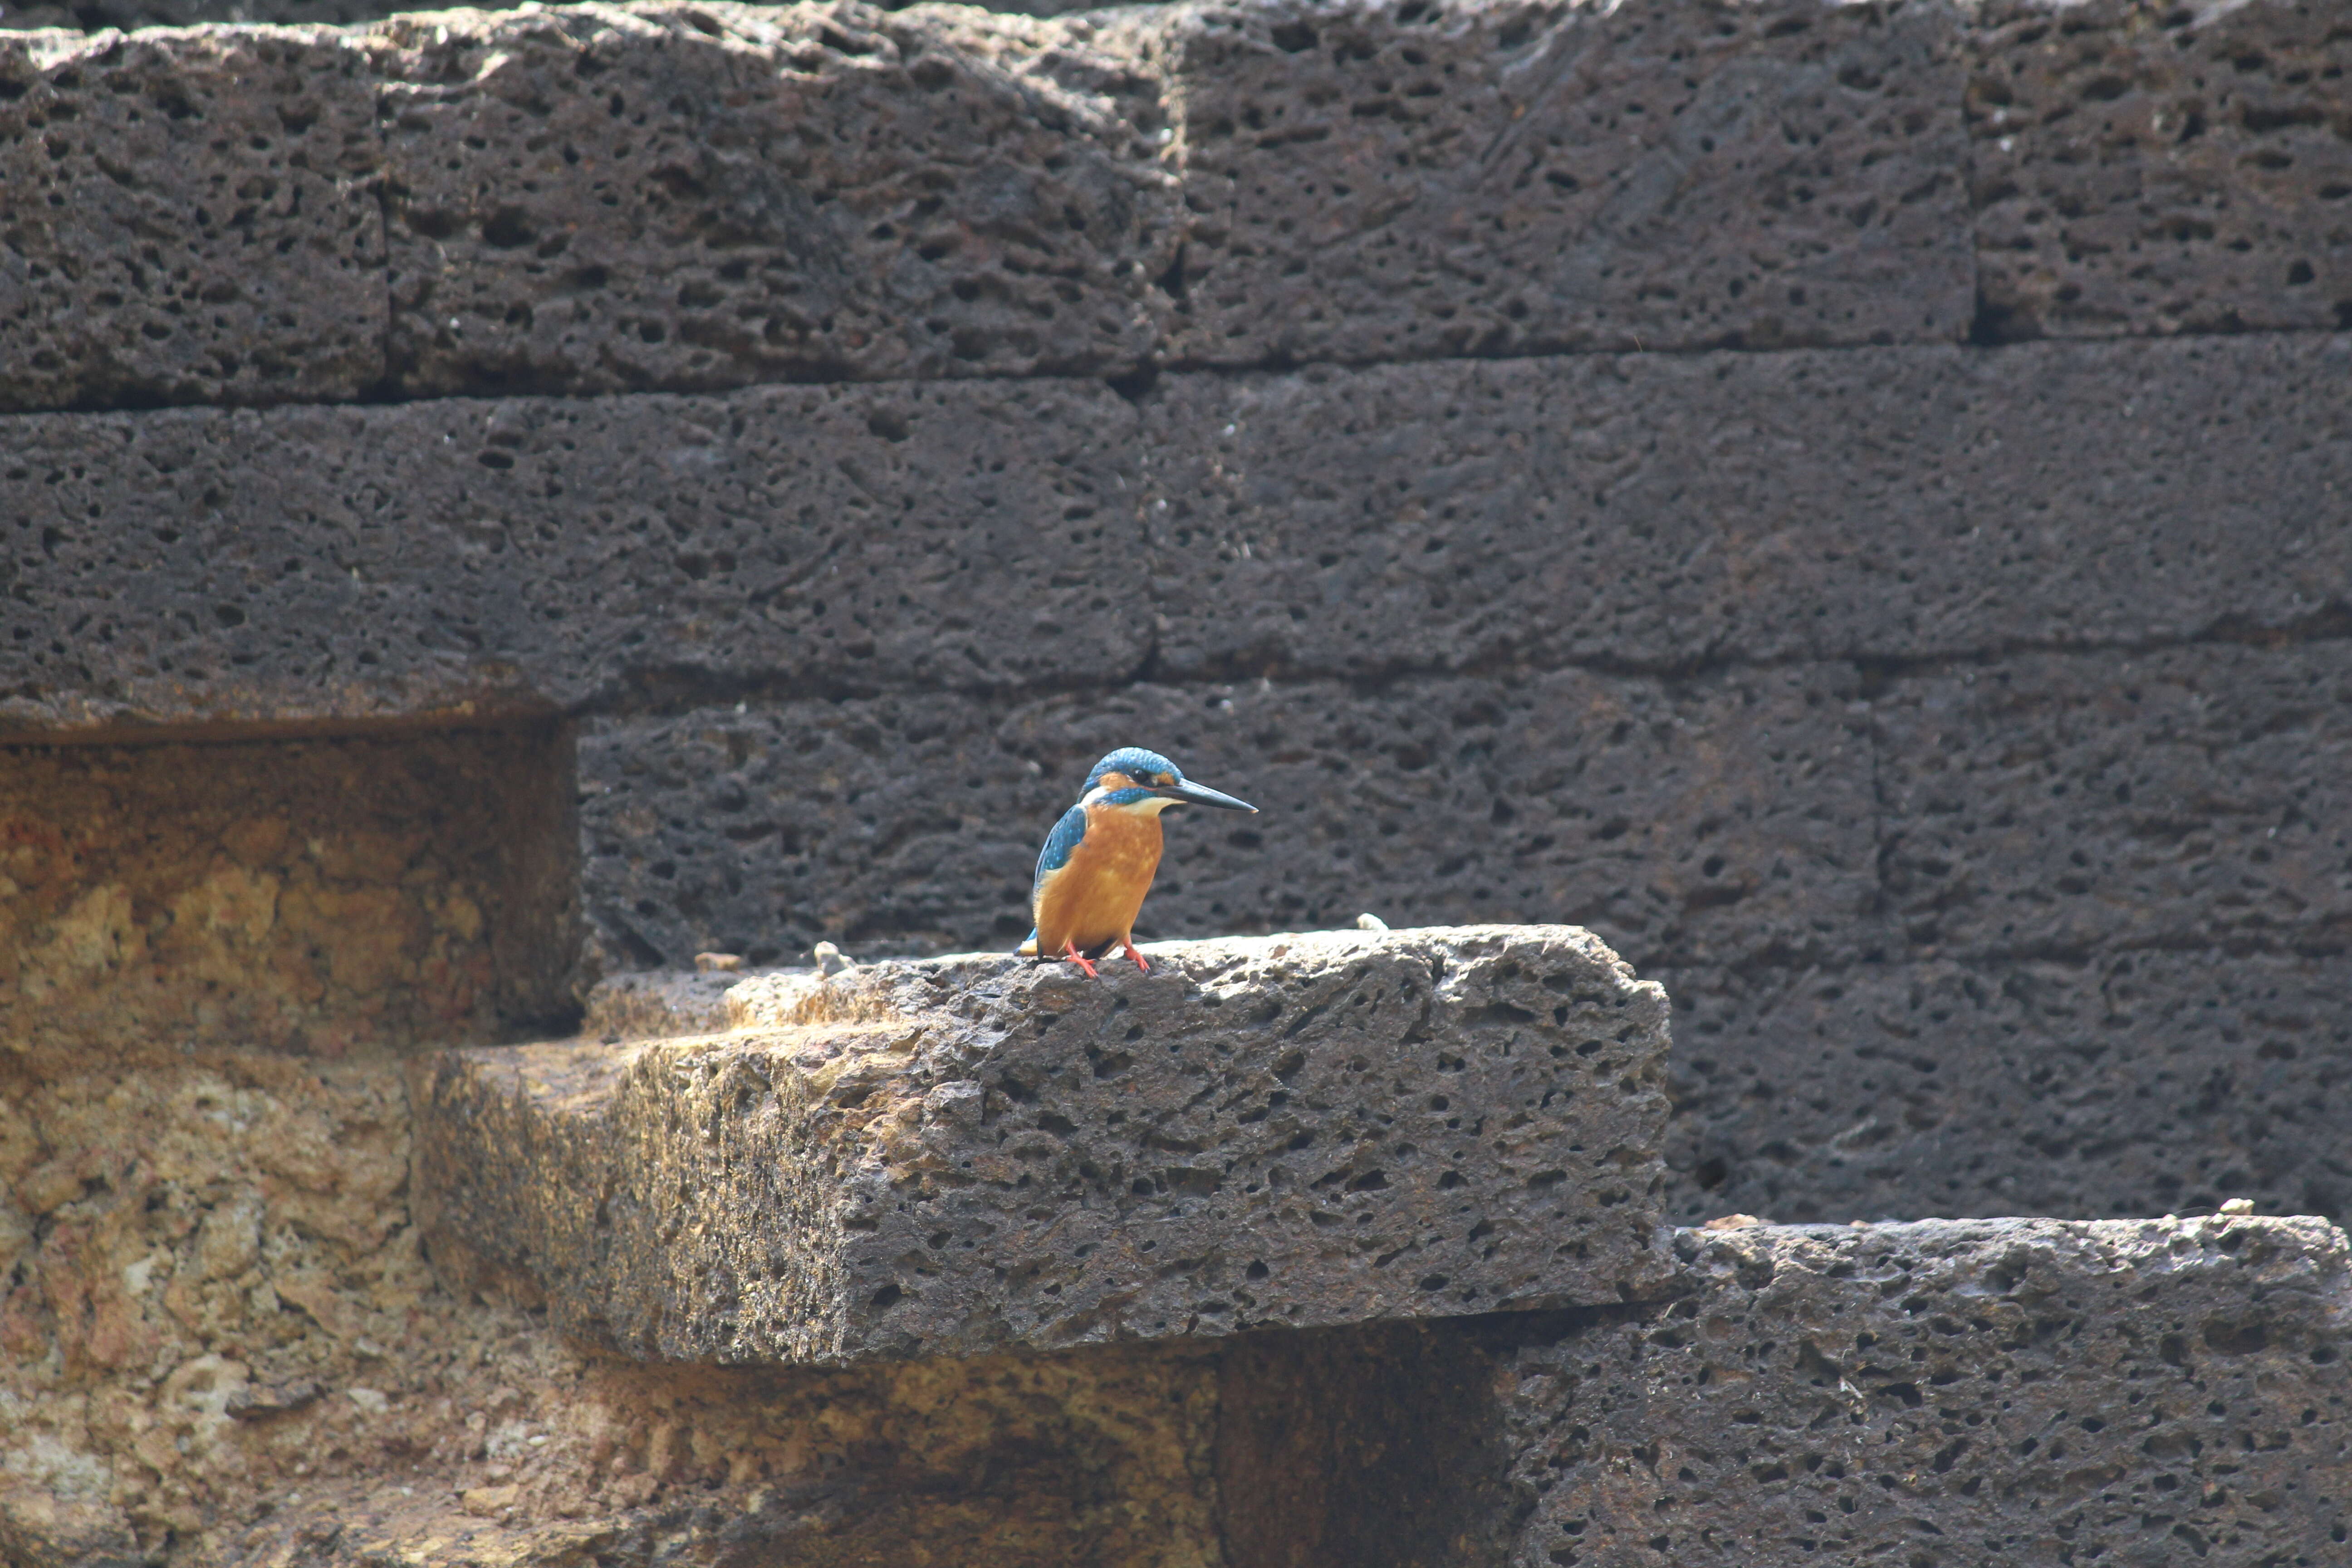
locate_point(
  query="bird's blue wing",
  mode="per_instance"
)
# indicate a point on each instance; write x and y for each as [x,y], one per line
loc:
[1058,844]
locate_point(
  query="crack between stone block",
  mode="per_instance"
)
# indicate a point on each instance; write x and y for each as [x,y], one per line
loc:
[1881,846]
[671,690]
[1134,381]
[1994,961]
[386,386]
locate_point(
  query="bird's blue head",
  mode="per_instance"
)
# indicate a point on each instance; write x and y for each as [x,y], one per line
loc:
[1136,767]
[1132,776]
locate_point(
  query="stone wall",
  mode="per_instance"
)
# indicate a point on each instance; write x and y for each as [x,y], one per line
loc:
[1845,502]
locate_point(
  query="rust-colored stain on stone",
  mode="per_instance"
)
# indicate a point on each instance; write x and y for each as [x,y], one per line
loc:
[308,896]
[220,1341]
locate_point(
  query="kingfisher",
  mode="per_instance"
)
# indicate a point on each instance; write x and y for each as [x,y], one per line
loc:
[1098,861]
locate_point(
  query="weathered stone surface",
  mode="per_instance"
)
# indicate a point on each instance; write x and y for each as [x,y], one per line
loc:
[93,14]
[1661,511]
[600,199]
[188,219]
[2136,1083]
[653,1004]
[2094,1039]
[977,1154]
[170,1237]
[2160,168]
[823,191]
[317,896]
[543,553]
[221,1342]
[1669,511]
[1729,817]
[2056,805]
[2009,1392]
[1493,176]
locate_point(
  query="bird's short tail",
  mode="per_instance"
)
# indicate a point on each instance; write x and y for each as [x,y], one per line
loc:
[1028,948]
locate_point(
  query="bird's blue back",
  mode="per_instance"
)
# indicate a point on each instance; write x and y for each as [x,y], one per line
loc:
[1059,844]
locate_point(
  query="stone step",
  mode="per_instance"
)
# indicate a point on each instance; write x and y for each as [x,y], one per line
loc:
[973,1154]
[1953,1391]
[1941,1393]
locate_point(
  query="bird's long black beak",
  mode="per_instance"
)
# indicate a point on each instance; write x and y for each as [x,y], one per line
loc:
[1191,793]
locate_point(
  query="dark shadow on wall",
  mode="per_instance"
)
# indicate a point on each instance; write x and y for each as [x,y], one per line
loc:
[1373,1446]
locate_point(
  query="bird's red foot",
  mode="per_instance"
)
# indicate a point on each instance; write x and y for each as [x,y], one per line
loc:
[1070,951]
[1130,948]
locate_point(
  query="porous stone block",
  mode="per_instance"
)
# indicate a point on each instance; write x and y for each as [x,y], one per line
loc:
[2144,1082]
[1729,815]
[602,198]
[2057,804]
[981,1154]
[1369,181]
[1664,512]
[189,218]
[1950,1392]
[2143,167]
[545,552]
[1660,511]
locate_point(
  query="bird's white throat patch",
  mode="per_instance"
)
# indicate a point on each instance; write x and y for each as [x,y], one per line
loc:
[1150,805]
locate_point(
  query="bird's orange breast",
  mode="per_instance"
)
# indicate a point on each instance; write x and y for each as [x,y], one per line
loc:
[1091,902]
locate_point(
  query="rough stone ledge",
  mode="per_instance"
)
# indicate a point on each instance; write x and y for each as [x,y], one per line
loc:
[221,1344]
[1953,1391]
[976,1153]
